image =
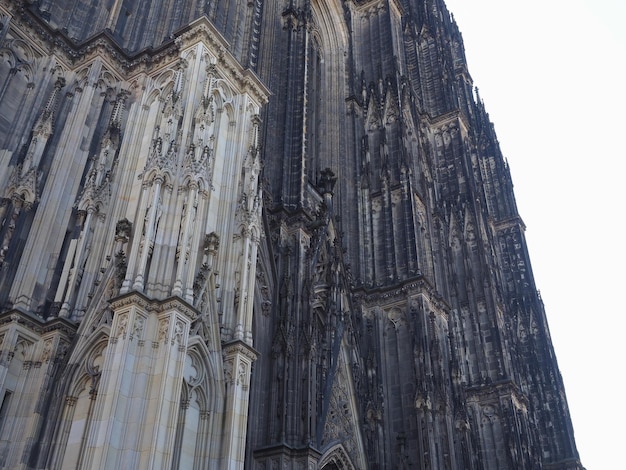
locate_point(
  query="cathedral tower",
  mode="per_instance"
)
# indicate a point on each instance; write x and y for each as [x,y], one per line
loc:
[262,234]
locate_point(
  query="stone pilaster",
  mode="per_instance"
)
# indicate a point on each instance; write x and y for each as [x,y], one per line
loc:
[30,351]
[238,359]
[139,396]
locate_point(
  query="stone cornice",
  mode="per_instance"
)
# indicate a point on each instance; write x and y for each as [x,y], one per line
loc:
[435,122]
[37,324]
[390,294]
[128,64]
[70,54]
[154,305]
[238,346]
[27,320]
[508,223]
[60,324]
[178,304]
[133,298]
[503,388]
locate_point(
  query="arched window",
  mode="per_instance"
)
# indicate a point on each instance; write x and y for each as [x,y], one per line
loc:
[336,458]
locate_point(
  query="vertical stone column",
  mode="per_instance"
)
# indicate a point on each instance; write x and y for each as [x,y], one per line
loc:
[238,359]
[105,438]
[150,231]
[28,359]
[63,182]
[161,417]
[136,411]
[34,385]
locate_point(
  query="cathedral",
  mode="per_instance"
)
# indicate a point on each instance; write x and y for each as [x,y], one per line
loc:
[261,234]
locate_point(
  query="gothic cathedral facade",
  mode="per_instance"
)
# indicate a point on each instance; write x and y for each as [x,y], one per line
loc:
[262,234]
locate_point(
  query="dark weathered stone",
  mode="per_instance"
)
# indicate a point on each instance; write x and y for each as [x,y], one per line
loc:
[396,322]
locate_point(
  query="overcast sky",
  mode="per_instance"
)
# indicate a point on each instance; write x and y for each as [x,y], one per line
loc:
[552,76]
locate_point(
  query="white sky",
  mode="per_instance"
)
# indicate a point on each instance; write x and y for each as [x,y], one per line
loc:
[552,76]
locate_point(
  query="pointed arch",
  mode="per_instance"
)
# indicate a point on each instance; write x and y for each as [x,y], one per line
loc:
[23,50]
[222,90]
[158,87]
[336,458]
[78,400]
[82,77]
[107,81]
[7,55]
[200,406]
[212,369]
